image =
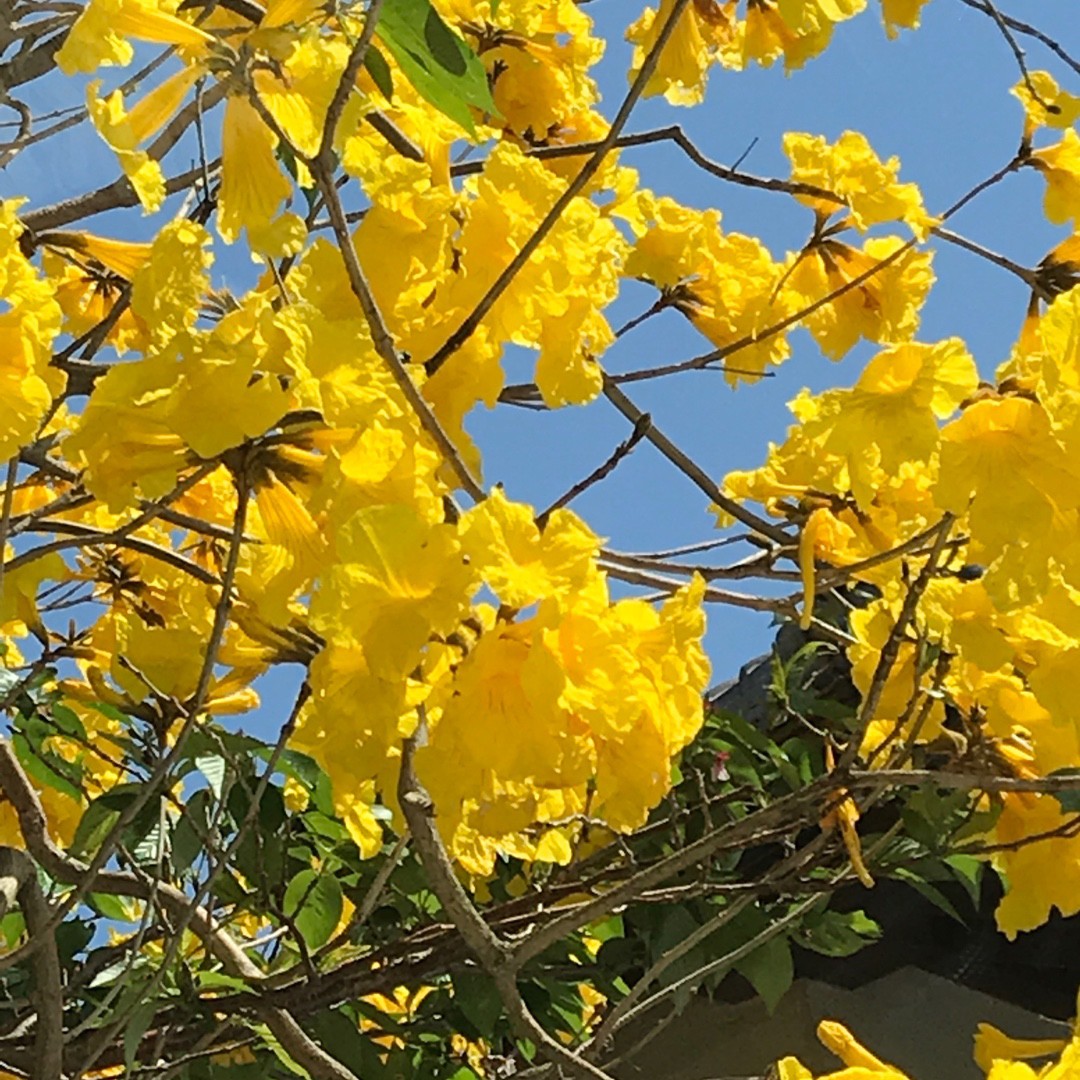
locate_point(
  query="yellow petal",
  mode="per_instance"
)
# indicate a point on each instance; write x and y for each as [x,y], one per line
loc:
[252,185]
[993,1045]
[836,1038]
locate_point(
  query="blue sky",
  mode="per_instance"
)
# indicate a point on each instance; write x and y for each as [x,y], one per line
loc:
[937,98]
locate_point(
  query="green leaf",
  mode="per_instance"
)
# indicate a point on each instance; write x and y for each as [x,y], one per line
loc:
[322,825]
[95,824]
[187,833]
[48,773]
[839,933]
[770,970]
[150,849]
[110,712]
[212,766]
[475,995]
[125,967]
[12,927]
[67,721]
[439,64]
[968,870]
[379,70]
[929,892]
[315,902]
[279,1051]
[111,907]
[219,980]
[135,1030]
[354,1049]
[606,929]
[295,764]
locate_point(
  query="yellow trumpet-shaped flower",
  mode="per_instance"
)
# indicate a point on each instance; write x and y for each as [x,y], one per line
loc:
[992,1045]
[837,1039]
[822,536]
[100,34]
[252,185]
[1060,166]
[1045,103]
[843,815]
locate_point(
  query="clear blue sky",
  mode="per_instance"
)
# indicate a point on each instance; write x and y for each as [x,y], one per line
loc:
[938,98]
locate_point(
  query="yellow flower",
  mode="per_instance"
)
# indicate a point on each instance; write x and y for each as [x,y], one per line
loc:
[537,57]
[992,1045]
[790,1068]
[884,307]
[851,170]
[798,29]
[1048,106]
[518,562]
[29,323]
[901,13]
[1060,167]
[1002,463]
[100,34]
[397,580]
[123,131]
[837,1039]
[557,299]
[822,537]
[890,416]
[1043,874]
[843,815]
[295,795]
[168,287]
[726,284]
[252,184]
[702,29]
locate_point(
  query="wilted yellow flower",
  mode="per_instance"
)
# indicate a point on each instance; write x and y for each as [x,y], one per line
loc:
[992,1045]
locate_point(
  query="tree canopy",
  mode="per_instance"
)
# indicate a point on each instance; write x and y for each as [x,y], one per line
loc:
[325,755]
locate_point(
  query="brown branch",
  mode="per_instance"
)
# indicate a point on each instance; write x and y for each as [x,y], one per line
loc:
[780,816]
[690,468]
[713,595]
[348,80]
[88,536]
[494,955]
[674,133]
[602,471]
[891,649]
[63,868]
[706,359]
[19,885]
[1029,30]
[1029,277]
[148,515]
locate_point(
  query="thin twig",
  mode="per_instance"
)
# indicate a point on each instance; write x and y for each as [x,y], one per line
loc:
[691,469]
[602,471]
